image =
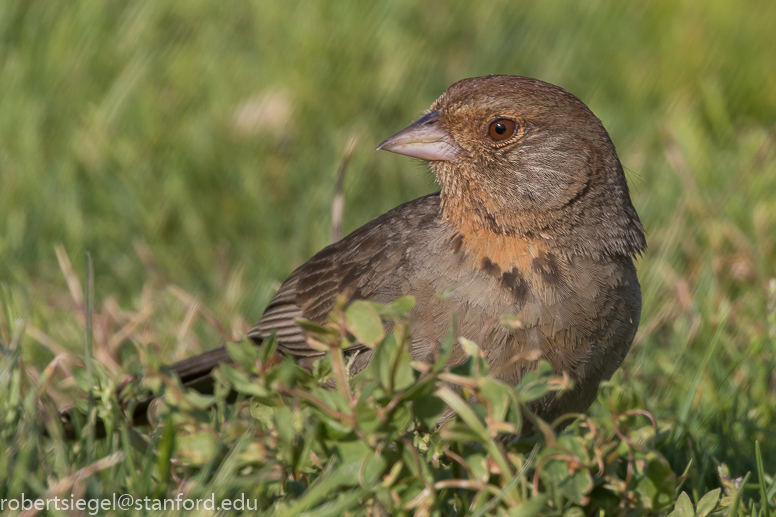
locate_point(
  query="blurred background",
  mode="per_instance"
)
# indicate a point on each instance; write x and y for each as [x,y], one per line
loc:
[192,147]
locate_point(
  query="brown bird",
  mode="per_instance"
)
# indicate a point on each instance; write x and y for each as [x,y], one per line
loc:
[533,219]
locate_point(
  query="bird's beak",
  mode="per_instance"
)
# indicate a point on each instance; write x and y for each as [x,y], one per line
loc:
[423,139]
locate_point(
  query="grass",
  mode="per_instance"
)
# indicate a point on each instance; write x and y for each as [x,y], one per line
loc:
[192,148]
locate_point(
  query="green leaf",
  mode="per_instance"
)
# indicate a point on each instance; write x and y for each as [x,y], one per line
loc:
[530,508]
[382,361]
[404,376]
[244,353]
[478,464]
[403,305]
[574,511]
[372,468]
[575,486]
[535,384]
[163,464]
[336,429]
[761,479]
[464,411]
[613,398]
[684,506]
[709,501]
[469,347]
[366,418]
[268,348]
[332,398]
[466,414]
[391,365]
[198,400]
[571,477]
[322,367]
[288,373]
[353,451]
[318,337]
[447,347]
[240,382]
[311,326]
[81,379]
[287,432]
[294,488]
[577,445]
[364,323]
[397,426]
[428,409]
[421,388]
[323,488]
[452,431]
[498,395]
[655,481]
[263,414]
[197,449]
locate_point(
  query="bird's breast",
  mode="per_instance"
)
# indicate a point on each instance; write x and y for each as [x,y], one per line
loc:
[520,267]
[570,306]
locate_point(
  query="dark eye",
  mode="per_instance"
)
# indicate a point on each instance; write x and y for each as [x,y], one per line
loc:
[501,129]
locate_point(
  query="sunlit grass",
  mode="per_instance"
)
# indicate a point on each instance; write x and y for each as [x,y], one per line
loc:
[195,144]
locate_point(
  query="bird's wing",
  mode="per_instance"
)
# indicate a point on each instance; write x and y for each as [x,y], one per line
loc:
[369,264]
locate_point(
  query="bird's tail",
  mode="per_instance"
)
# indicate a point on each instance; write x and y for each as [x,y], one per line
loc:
[194,372]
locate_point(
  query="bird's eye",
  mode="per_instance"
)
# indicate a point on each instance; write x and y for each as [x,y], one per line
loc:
[501,129]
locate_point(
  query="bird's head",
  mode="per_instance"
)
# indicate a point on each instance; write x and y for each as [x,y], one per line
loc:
[518,156]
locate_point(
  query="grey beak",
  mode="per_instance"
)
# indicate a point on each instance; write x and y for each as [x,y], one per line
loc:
[424,139]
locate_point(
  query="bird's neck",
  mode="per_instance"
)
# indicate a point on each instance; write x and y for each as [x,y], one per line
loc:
[468,206]
[499,252]
[577,229]
[489,240]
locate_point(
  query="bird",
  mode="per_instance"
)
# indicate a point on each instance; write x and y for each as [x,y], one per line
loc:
[533,219]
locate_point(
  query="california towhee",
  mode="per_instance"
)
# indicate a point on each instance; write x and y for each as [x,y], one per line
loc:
[533,219]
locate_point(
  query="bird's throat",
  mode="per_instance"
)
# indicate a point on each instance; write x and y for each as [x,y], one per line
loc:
[501,252]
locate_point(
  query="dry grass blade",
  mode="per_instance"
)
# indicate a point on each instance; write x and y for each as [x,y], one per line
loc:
[338,203]
[127,330]
[45,340]
[203,311]
[73,283]
[64,485]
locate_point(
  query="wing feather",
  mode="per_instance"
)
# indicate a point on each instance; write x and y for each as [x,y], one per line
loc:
[363,265]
